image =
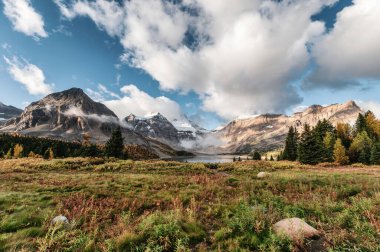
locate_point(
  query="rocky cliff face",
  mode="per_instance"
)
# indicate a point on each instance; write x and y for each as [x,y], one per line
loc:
[269,131]
[7,112]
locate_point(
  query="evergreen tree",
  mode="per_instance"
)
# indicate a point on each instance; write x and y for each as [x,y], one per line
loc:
[310,147]
[360,124]
[115,145]
[375,154]
[340,155]
[271,158]
[1,154]
[329,142]
[290,151]
[256,156]
[360,148]
[322,128]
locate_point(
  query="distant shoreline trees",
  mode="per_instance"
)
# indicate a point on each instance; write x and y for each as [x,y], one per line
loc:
[18,146]
[342,144]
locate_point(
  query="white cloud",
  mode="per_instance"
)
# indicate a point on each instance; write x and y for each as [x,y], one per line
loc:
[29,75]
[244,56]
[66,12]
[370,105]
[351,51]
[139,103]
[101,94]
[107,15]
[24,18]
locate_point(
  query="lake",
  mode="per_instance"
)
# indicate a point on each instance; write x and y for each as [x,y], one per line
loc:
[209,158]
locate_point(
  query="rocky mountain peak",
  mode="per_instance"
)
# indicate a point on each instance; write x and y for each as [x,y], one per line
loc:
[351,104]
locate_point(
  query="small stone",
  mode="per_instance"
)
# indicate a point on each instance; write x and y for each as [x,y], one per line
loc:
[295,229]
[263,174]
[60,219]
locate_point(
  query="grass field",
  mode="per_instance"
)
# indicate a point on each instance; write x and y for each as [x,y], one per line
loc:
[171,206]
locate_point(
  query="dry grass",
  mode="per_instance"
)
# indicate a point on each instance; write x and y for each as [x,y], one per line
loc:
[169,206]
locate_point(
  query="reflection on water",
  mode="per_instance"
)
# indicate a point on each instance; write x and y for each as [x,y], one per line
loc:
[209,158]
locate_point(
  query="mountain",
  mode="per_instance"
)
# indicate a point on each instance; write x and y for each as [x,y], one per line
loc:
[7,112]
[158,127]
[69,115]
[155,127]
[267,132]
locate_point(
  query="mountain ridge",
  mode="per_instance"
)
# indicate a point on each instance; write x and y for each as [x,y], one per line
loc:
[72,113]
[8,112]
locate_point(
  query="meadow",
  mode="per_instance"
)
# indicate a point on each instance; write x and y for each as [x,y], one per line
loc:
[118,205]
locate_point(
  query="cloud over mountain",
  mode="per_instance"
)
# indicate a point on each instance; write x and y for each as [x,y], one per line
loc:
[240,58]
[136,101]
[244,58]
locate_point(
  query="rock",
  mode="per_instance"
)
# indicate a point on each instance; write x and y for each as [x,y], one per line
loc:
[295,229]
[263,174]
[60,219]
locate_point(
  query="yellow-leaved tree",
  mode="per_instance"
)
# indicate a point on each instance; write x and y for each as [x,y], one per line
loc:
[17,151]
[340,155]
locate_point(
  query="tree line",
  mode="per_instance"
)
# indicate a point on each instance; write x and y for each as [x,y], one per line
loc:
[18,146]
[343,143]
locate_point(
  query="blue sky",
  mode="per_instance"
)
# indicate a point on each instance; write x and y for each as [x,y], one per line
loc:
[78,44]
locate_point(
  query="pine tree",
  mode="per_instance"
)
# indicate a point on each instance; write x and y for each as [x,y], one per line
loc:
[375,154]
[360,124]
[290,151]
[310,147]
[329,142]
[115,145]
[360,148]
[17,151]
[256,156]
[340,156]
[1,154]
[271,158]
[322,128]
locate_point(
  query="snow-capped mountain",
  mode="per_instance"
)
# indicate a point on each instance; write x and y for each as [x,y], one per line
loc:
[158,127]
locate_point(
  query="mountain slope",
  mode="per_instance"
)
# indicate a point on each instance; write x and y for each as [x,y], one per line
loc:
[158,127]
[268,131]
[7,112]
[69,115]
